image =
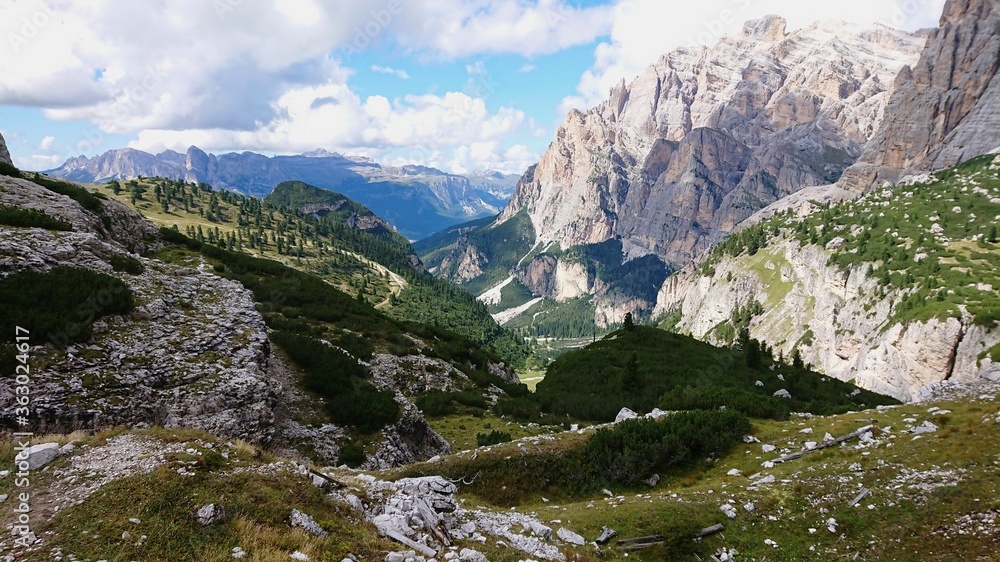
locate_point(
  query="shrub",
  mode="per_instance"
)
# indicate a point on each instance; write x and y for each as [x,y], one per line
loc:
[87,199]
[9,170]
[630,451]
[753,404]
[365,408]
[127,264]
[494,437]
[351,454]
[61,305]
[18,216]
[436,404]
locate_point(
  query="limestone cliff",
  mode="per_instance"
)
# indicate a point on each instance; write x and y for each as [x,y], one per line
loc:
[946,108]
[4,154]
[703,138]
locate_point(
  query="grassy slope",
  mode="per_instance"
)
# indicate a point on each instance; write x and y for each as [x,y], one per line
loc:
[594,379]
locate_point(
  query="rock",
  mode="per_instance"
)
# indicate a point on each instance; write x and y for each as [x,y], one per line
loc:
[404,556]
[728,510]
[66,449]
[469,555]
[40,455]
[570,537]
[238,552]
[926,427]
[625,414]
[782,393]
[946,108]
[538,530]
[318,481]
[653,480]
[768,448]
[299,519]
[301,556]
[4,154]
[734,472]
[211,514]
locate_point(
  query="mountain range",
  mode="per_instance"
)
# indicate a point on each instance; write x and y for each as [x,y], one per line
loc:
[417,200]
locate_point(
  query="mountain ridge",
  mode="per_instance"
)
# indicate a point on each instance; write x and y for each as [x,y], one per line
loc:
[418,200]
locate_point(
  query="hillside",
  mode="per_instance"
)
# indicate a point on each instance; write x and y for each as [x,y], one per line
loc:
[198,336]
[327,235]
[895,290]
[636,368]
[416,199]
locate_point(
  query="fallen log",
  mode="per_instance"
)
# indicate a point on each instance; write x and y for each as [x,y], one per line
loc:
[861,496]
[424,549]
[432,523]
[329,479]
[641,542]
[824,445]
[718,527]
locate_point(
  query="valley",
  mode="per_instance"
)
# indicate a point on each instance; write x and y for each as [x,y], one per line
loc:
[739,303]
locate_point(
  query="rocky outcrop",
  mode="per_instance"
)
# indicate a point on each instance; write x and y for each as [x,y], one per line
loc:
[4,154]
[705,137]
[830,316]
[409,440]
[944,110]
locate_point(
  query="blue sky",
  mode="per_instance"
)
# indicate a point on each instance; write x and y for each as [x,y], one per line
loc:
[457,84]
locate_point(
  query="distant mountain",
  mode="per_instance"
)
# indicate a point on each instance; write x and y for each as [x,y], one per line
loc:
[669,164]
[417,200]
[4,155]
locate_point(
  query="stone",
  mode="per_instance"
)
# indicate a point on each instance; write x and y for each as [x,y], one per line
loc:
[40,455]
[570,537]
[299,519]
[469,555]
[301,556]
[606,535]
[653,480]
[404,556]
[625,414]
[926,427]
[4,154]
[782,393]
[238,552]
[211,514]
[728,510]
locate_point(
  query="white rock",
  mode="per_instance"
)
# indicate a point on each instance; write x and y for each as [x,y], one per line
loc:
[570,537]
[926,427]
[782,393]
[211,514]
[625,414]
[469,555]
[729,510]
[238,552]
[767,448]
[40,455]
[299,519]
[734,472]
[301,556]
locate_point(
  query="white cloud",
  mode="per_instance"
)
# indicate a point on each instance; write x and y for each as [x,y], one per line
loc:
[645,29]
[527,67]
[46,143]
[389,70]
[38,161]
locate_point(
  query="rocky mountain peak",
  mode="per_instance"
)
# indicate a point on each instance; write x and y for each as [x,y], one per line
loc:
[775,111]
[946,108]
[768,28]
[4,155]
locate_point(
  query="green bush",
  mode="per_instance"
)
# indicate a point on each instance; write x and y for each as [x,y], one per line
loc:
[365,408]
[18,216]
[86,198]
[630,451]
[127,264]
[61,305]
[351,454]
[753,404]
[494,437]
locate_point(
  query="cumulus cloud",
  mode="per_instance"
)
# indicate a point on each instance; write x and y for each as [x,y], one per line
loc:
[46,144]
[645,29]
[269,76]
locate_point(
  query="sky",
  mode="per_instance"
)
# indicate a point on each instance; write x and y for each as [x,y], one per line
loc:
[460,85]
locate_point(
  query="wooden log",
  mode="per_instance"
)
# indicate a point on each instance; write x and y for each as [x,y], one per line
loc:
[861,496]
[631,547]
[329,479]
[432,523]
[718,527]
[639,540]
[398,537]
[824,445]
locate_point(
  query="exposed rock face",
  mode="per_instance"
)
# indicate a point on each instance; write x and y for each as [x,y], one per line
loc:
[849,335]
[409,440]
[192,354]
[703,138]
[946,109]
[4,154]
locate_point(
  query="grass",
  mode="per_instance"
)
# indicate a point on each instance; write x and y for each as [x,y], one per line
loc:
[460,430]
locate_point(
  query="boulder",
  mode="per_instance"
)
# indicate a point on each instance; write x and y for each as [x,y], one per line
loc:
[301,520]
[40,455]
[625,414]
[210,514]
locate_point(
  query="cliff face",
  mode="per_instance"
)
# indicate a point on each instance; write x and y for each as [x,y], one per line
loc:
[4,154]
[946,109]
[830,317]
[703,138]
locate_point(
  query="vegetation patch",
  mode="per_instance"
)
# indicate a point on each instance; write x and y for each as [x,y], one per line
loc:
[27,218]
